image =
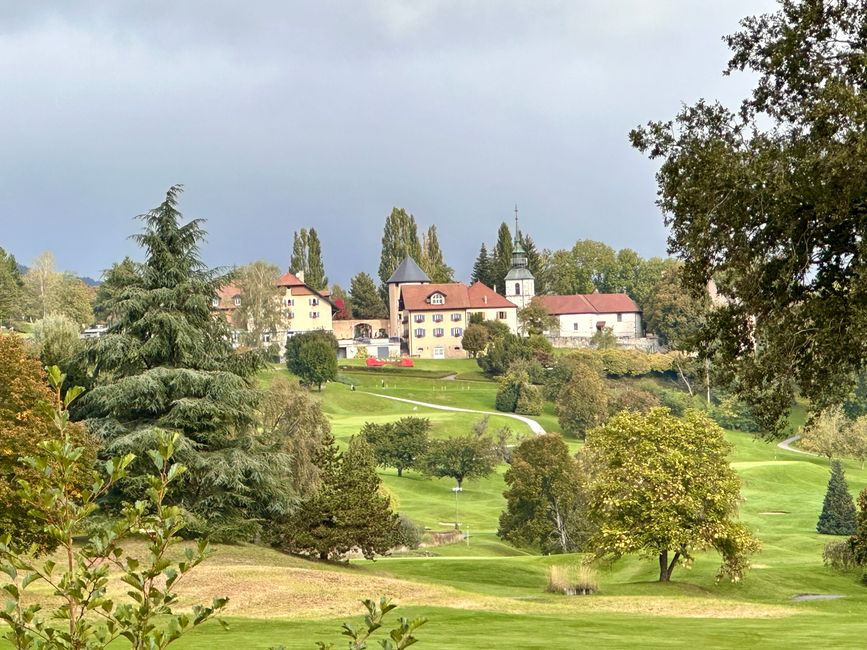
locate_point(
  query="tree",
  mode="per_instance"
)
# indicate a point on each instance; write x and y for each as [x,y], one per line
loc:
[561,275]
[432,261]
[399,240]
[673,314]
[11,286]
[72,298]
[401,444]
[475,339]
[596,261]
[298,260]
[24,426]
[603,339]
[535,319]
[366,300]
[501,259]
[110,292]
[829,435]
[342,303]
[482,267]
[39,281]
[534,258]
[754,196]
[347,511]
[516,394]
[858,541]
[461,457]
[312,356]
[502,352]
[167,364]
[662,486]
[315,275]
[545,500]
[57,342]
[583,402]
[259,312]
[838,509]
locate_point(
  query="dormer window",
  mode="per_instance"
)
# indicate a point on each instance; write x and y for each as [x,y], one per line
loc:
[215,302]
[438,299]
[237,301]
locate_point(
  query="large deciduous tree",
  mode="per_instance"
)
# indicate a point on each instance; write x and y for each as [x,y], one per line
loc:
[259,311]
[312,356]
[461,457]
[582,403]
[401,444]
[432,261]
[545,500]
[399,240]
[661,486]
[167,364]
[772,199]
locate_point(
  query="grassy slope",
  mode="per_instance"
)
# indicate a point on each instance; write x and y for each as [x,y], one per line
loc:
[490,595]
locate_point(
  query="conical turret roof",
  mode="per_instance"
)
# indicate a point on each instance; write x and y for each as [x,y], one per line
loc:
[408,271]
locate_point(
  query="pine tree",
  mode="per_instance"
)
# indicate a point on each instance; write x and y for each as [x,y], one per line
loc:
[11,286]
[534,258]
[366,300]
[838,510]
[167,364]
[482,267]
[501,260]
[315,274]
[399,240]
[298,261]
[432,261]
[109,292]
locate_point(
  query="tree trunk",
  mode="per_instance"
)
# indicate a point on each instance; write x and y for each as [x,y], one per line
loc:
[707,378]
[666,568]
[460,482]
[323,555]
[400,471]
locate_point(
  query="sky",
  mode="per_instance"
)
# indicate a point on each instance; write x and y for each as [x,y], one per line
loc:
[279,115]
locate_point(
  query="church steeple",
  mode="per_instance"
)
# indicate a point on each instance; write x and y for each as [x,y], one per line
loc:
[520,284]
[519,255]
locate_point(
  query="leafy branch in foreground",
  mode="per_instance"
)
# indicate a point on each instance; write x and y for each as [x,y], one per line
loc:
[86,617]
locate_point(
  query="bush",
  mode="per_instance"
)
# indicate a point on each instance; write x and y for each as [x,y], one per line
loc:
[624,397]
[583,402]
[839,556]
[507,398]
[409,532]
[572,580]
[529,401]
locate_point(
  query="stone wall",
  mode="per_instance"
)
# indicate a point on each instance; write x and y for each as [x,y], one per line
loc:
[645,344]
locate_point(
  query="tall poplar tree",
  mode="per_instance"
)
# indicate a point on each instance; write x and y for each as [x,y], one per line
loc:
[298,261]
[432,261]
[501,260]
[399,240]
[315,274]
[482,267]
[167,364]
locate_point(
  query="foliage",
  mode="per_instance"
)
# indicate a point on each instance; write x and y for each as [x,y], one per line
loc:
[365,299]
[624,396]
[582,403]
[661,484]
[769,200]
[80,582]
[572,580]
[545,500]
[23,427]
[409,532]
[399,240]
[399,637]
[460,457]
[312,356]
[307,258]
[293,420]
[431,261]
[501,258]
[838,509]
[57,342]
[347,511]
[507,397]
[259,312]
[535,319]
[828,435]
[534,258]
[475,339]
[561,274]
[673,314]
[858,541]
[109,293]
[167,364]
[604,339]
[11,286]
[339,295]
[839,556]
[516,394]
[502,352]
[530,400]
[49,292]
[401,444]
[482,267]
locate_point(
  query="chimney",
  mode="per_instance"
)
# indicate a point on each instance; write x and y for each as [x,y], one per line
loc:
[485,298]
[300,275]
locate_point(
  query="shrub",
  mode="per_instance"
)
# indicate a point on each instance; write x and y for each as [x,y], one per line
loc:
[572,580]
[409,532]
[839,556]
[624,397]
[507,398]
[583,402]
[529,401]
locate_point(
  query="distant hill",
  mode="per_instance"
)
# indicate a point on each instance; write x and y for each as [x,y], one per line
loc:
[90,282]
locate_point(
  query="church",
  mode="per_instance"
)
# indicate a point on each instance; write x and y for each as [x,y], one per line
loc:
[430,318]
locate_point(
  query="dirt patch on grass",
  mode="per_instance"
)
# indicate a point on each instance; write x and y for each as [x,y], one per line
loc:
[686,607]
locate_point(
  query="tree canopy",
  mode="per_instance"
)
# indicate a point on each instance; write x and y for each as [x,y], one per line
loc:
[259,312]
[312,356]
[399,240]
[432,261]
[401,444]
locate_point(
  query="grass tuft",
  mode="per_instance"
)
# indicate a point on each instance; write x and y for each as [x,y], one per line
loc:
[572,580]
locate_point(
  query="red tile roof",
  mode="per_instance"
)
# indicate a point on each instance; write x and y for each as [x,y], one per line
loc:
[226,296]
[416,297]
[483,297]
[288,279]
[589,303]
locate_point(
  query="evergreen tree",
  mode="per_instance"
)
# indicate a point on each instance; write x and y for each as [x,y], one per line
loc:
[298,261]
[501,260]
[11,286]
[838,510]
[167,364]
[315,274]
[534,257]
[432,261]
[399,240]
[366,300]
[482,267]
[347,511]
[110,291]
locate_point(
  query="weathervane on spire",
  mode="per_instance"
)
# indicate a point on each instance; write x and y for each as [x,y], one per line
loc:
[516,221]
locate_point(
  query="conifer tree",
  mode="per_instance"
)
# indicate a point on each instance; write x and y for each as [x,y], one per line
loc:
[534,258]
[11,286]
[838,510]
[501,260]
[399,240]
[432,261]
[167,364]
[482,267]
[366,300]
[315,274]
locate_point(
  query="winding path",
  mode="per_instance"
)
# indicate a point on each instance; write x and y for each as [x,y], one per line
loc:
[787,445]
[535,427]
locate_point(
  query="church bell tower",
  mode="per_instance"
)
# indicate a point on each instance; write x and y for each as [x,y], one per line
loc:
[520,283]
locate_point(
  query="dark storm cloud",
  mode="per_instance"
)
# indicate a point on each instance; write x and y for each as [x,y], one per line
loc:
[282,115]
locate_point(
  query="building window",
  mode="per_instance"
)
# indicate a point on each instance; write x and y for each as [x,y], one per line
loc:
[517,288]
[438,331]
[501,315]
[237,301]
[438,299]
[314,314]
[313,301]
[215,302]
[289,302]
[480,314]
[266,337]
[619,318]
[290,314]
[437,318]
[235,337]
[457,331]
[418,318]
[456,318]
[575,326]
[419,332]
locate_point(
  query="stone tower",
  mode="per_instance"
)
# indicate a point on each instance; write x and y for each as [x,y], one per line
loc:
[520,283]
[408,272]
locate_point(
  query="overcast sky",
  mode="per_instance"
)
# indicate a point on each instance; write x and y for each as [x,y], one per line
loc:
[280,115]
